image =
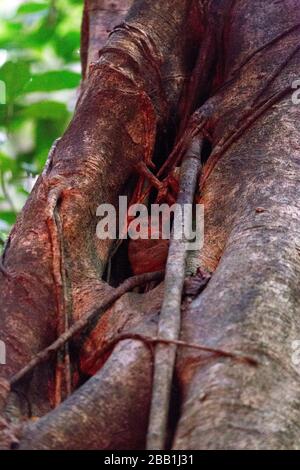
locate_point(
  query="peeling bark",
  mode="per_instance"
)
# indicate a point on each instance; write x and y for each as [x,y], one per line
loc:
[233,58]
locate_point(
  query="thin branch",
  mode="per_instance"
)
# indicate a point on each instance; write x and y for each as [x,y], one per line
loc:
[170,316]
[64,362]
[125,287]
[63,297]
[250,117]
[277,72]
[148,340]
[254,53]
[62,294]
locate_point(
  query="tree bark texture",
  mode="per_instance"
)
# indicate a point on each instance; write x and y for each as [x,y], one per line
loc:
[233,62]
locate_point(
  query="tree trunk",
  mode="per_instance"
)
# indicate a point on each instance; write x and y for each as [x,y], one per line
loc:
[234,62]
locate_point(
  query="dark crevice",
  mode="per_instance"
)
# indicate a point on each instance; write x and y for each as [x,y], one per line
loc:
[175,412]
[206,151]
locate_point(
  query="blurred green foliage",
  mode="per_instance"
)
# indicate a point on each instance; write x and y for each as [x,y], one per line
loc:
[39,74]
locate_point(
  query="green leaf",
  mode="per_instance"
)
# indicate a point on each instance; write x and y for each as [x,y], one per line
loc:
[67,45]
[46,110]
[38,35]
[47,131]
[6,163]
[32,7]
[53,80]
[44,36]
[15,75]
[8,216]
[3,237]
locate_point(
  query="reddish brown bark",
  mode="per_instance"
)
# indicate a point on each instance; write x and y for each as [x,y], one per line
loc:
[56,271]
[147,79]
